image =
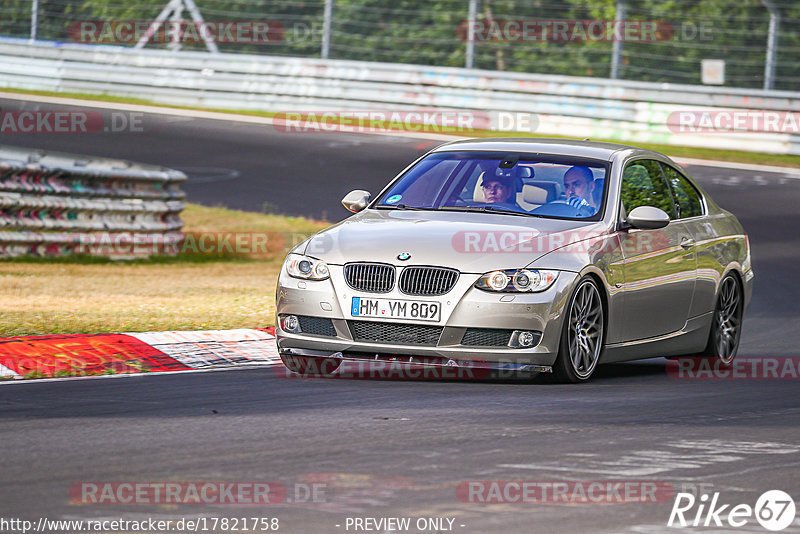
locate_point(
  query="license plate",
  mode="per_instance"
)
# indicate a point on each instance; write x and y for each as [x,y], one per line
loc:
[396,309]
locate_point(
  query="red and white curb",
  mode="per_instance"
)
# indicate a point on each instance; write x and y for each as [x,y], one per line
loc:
[81,355]
[5,372]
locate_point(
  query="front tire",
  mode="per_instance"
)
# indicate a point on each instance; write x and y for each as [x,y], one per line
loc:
[726,325]
[582,334]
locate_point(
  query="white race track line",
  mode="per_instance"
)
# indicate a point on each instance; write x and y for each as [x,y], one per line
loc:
[790,172]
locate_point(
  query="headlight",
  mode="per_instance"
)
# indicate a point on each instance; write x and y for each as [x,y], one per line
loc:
[306,268]
[517,280]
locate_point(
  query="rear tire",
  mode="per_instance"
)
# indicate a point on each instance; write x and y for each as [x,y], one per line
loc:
[726,324]
[582,335]
[306,366]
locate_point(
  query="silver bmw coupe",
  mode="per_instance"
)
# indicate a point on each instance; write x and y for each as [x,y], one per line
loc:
[531,255]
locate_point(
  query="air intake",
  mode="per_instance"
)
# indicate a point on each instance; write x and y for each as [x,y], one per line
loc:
[395,333]
[427,281]
[370,277]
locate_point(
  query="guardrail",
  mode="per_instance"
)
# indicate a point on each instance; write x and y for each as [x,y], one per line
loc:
[561,105]
[57,204]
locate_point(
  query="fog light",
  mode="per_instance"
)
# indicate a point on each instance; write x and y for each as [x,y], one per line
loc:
[526,339]
[290,323]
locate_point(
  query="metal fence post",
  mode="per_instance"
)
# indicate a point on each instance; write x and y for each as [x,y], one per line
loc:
[327,24]
[197,17]
[34,18]
[772,43]
[616,47]
[471,18]
[174,10]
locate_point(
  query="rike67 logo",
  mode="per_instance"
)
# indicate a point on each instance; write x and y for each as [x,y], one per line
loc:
[774,510]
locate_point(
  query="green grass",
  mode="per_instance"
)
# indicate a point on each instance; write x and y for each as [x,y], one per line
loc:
[740,156]
[191,291]
[201,220]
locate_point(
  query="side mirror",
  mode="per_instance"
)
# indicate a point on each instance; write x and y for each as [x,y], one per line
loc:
[647,218]
[356,200]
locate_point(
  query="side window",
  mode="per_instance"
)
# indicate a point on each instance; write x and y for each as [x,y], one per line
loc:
[643,184]
[687,199]
[476,175]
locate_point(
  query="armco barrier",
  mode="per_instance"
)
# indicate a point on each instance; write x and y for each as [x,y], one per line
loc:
[55,204]
[563,105]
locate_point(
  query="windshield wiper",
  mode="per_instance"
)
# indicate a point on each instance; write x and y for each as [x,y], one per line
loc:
[401,207]
[487,209]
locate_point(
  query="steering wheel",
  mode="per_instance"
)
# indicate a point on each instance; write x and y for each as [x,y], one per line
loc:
[561,208]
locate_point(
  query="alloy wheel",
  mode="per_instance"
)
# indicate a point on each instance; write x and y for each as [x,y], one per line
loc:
[585,333]
[728,320]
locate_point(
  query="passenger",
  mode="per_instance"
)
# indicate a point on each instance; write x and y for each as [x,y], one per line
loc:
[500,190]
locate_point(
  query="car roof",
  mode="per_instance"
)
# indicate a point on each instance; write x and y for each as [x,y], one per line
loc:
[538,145]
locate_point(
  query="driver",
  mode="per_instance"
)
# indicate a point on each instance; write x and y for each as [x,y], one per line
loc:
[578,186]
[499,190]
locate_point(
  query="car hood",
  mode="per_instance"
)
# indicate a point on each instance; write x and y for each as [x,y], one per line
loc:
[469,242]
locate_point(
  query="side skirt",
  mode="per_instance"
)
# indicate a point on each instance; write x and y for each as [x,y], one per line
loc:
[690,339]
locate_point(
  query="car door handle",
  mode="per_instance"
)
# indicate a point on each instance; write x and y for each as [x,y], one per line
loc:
[687,242]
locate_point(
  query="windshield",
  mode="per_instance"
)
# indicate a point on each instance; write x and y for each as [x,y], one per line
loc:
[517,184]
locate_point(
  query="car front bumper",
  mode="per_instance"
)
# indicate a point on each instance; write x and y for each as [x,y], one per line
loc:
[464,307]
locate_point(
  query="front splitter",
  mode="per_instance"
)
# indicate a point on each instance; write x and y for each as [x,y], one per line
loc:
[418,361]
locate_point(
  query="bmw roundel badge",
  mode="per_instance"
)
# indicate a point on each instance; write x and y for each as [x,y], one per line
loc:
[403,256]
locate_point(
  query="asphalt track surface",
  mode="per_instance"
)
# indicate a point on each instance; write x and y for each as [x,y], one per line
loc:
[400,448]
